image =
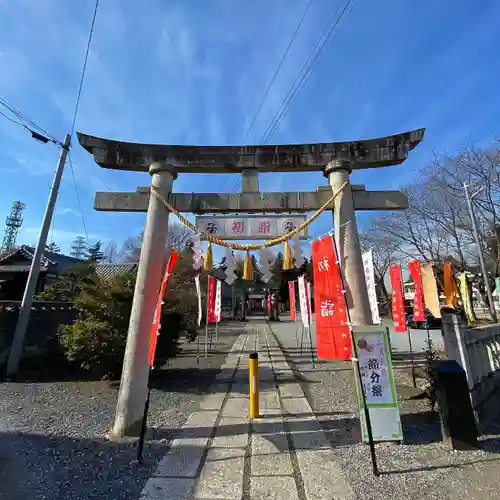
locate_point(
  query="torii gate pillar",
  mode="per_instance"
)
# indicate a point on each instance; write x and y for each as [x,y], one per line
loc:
[349,248]
[134,381]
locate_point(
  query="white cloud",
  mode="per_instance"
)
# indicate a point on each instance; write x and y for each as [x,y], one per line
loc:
[67,210]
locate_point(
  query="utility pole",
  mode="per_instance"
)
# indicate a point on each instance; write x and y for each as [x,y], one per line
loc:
[24,313]
[469,197]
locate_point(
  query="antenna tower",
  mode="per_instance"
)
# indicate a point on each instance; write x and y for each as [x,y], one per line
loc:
[12,225]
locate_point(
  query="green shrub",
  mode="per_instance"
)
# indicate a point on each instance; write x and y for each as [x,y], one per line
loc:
[94,346]
[96,341]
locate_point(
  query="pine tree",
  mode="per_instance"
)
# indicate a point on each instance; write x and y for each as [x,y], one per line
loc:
[94,253]
[79,248]
[52,247]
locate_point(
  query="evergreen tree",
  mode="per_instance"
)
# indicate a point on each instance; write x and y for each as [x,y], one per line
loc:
[79,248]
[94,253]
[52,247]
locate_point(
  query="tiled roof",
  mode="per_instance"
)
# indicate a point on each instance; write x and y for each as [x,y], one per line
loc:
[49,259]
[109,271]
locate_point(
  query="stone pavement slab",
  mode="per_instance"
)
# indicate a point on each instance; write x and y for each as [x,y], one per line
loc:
[222,454]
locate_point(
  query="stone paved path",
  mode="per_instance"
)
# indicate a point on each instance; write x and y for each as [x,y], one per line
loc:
[221,454]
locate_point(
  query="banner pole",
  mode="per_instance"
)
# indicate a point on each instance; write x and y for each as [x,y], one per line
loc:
[142,435]
[312,348]
[206,323]
[412,357]
[355,361]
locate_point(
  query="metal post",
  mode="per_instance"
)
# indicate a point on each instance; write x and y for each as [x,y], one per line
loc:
[253,370]
[469,198]
[24,313]
[206,322]
[346,234]
[134,382]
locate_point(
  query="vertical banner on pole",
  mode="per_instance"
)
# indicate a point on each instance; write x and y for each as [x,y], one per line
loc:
[450,286]
[218,301]
[304,308]
[398,304]
[370,285]
[418,300]
[333,336]
[464,292]
[377,379]
[198,293]
[211,300]
[309,301]
[429,286]
[291,294]
[159,303]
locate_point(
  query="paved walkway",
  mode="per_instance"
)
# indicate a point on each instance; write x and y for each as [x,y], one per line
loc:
[221,454]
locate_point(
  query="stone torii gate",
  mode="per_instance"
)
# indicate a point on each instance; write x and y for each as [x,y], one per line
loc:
[164,163]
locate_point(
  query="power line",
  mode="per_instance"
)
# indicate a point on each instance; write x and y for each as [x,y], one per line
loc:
[308,68]
[78,196]
[278,68]
[25,122]
[80,87]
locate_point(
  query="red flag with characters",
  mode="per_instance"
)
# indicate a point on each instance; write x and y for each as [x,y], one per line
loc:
[291,293]
[398,303]
[211,300]
[157,317]
[333,336]
[418,301]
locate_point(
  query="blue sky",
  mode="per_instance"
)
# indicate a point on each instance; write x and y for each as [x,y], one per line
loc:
[194,72]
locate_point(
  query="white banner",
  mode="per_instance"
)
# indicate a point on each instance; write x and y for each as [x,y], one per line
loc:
[304,306]
[198,293]
[250,226]
[218,301]
[370,285]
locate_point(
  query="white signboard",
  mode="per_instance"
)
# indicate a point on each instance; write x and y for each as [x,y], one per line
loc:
[304,306]
[198,293]
[372,347]
[370,285]
[250,227]
[218,301]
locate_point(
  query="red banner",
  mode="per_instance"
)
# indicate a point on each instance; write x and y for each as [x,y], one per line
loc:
[418,300]
[159,303]
[291,294]
[333,336]
[398,303]
[211,300]
[269,304]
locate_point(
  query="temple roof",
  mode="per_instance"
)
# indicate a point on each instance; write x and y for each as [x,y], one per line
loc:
[369,153]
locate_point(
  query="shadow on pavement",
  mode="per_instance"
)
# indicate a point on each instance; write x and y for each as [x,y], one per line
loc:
[35,467]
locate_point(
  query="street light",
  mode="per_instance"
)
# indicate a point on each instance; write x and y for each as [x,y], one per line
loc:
[469,197]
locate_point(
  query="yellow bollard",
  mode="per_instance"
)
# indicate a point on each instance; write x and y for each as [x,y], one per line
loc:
[253,371]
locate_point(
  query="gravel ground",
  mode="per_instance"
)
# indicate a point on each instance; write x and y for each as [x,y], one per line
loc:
[52,443]
[421,467]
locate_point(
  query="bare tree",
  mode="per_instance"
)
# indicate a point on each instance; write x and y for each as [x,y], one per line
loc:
[386,250]
[111,253]
[178,237]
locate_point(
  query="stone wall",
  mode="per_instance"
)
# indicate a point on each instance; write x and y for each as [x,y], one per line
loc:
[41,336]
[477,350]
